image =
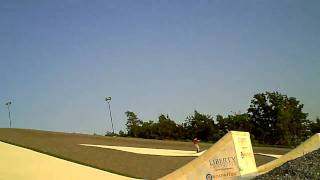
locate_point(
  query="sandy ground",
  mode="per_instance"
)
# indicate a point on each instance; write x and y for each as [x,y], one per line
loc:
[149,151]
[20,163]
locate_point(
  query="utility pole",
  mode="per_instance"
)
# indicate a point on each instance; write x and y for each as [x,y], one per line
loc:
[108,99]
[8,106]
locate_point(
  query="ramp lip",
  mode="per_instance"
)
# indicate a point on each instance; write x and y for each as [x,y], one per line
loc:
[307,146]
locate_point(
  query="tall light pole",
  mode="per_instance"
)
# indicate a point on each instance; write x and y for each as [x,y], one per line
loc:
[8,105]
[108,99]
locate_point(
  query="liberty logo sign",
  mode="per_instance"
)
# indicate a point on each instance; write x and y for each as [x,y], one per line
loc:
[222,163]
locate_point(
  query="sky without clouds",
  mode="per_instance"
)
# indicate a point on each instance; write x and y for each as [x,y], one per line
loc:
[60,59]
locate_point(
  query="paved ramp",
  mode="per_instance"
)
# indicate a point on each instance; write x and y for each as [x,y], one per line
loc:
[229,158]
[309,145]
[149,151]
[23,164]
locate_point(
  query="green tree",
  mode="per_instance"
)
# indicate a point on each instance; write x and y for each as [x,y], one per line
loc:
[315,126]
[146,130]
[201,126]
[235,122]
[167,128]
[122,134]
[133,124]
[277,119]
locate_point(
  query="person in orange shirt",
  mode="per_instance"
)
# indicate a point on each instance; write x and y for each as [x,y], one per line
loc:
[196,144]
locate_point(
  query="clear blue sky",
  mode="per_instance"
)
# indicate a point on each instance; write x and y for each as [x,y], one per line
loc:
[59,59]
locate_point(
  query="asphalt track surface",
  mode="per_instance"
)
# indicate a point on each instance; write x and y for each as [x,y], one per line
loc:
[66,146]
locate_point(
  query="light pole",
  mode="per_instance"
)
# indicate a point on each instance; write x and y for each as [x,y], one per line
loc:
[108,99]
[8,105]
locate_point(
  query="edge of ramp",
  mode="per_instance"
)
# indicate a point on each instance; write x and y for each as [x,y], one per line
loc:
[309,145]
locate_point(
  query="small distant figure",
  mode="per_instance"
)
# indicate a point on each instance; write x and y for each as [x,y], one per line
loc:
[196,144]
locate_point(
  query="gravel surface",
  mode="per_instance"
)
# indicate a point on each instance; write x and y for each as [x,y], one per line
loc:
[305,167]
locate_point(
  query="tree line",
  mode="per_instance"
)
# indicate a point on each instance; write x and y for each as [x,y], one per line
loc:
[272,118]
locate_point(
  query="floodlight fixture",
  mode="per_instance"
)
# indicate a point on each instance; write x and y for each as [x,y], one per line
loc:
[108,99]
